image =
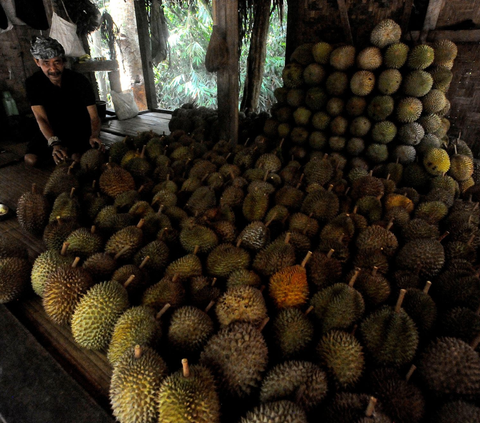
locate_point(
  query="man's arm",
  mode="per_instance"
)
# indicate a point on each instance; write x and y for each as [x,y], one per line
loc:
[96,127]
[59,152]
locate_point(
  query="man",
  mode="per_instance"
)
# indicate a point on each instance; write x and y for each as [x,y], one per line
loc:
[64,106]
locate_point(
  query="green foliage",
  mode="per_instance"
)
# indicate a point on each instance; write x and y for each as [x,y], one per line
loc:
[182,78]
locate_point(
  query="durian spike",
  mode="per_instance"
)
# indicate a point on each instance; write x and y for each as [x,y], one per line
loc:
[398,306]
[374,271]
[308,310]
[185,368]
[121,252]
[138,351]
[371,407]
[305,260]
[469,243]
[442,237]
[140,223]
[209,306]
[427,286]
[92,229]
[76,261]
[390,224]
[72,191]
[64,248]
[271,220]
[352,280]
[263,324]
[265,176]
[475,342]
[129,281]
[213,281]
[287,238]
[162,311]
[144,262]
[330,253]
[410,372]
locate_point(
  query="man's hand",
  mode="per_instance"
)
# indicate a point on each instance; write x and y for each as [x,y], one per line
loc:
[59,153]
[95,142]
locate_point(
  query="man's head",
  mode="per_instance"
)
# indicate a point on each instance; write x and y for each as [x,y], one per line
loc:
[49,56]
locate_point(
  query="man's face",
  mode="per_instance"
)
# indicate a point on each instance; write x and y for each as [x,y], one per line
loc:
[52,68]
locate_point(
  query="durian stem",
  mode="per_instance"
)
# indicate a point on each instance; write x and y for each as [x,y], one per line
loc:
[265,176]
[175,277]
[410,372]
[475,342]
[195,250]
[300,180]
[271,220]
[160,209]
[138,352]
[354,330]
[469,221]
[94,183]
[347,191]
[72,192]
[129,281]
[92,229]
[390,224]
[64,248]
[262,288]
[228,156]
[470,241]
[281,142]
[162,311]
[186,368]
[475,207]
[442,237]
[388,177]
[398,306]
[370,173]
[330,188]
[263,324]
[287,238]
[213,281]
[121,252]
[142,187]
[144,262]
[330,253]
[247,140]
[34,188]
[355,209]
[305,260]
[140,223]
[371,407]
[76,261]
[59,219]
[375,270]
[232,175]
[478,311]
[427,287]
[354,277]
[209,306]
[309,310]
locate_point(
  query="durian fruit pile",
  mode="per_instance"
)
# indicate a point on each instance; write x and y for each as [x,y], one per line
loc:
[238,284]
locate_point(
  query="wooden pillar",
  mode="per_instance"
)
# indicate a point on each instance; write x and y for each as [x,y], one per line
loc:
[145,53]
[431,18]
[228,78]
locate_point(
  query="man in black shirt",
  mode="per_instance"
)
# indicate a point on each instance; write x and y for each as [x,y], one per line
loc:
[64,106]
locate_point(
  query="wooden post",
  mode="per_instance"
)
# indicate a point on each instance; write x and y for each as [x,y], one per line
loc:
[431,18]
[145,53]
[347,31]
[407,13]
[228,78]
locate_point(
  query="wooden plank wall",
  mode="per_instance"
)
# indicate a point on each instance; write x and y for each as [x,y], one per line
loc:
[456,11]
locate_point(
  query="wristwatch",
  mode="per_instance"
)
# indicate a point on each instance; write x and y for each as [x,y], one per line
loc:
[52,141]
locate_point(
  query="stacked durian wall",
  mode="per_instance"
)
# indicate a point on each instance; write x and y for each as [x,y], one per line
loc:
[325,269]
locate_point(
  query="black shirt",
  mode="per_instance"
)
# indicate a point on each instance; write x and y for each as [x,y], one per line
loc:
[66,106]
